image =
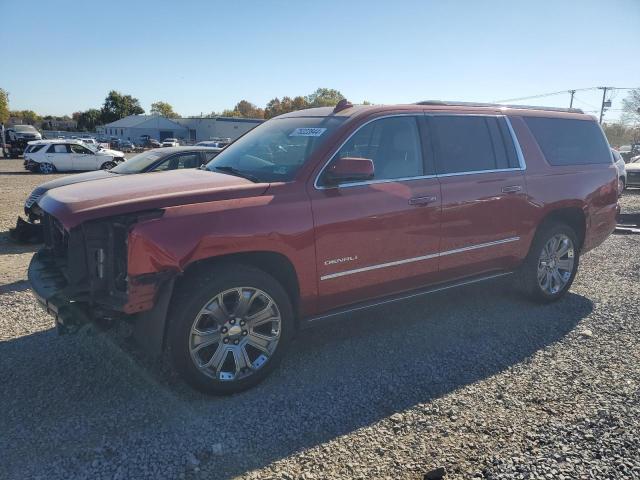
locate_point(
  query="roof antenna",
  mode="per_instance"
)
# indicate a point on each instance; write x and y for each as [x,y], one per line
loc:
[342,105]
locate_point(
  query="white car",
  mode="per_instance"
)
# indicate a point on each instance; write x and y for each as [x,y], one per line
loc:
[89,141]
[69,155]
[633,172]
[170,142]
[622,172]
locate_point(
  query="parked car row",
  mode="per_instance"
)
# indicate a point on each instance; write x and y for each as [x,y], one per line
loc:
[318,213]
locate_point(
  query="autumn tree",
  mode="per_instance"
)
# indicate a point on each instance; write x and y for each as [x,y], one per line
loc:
[26,116]
[4,106]
[163,108]
[117,106]
[244,109]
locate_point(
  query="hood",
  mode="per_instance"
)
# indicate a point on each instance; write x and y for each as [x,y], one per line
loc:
[71,179]
[633,167]
[110,153]
[79,202]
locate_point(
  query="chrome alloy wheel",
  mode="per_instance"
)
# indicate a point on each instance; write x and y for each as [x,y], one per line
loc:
[555,265]
[235,333]
[46,168]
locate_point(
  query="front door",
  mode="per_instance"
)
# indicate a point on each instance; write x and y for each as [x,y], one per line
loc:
[380,236]
[484,202]
[84,159]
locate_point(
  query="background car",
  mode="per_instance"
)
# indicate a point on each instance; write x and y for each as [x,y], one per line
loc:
[157,160]
[170,142]
[126,146]
[622,173]
[69,155]
[633,172]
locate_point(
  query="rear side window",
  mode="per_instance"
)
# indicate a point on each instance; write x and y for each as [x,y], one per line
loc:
[569,142]
[472,143]
[58,148]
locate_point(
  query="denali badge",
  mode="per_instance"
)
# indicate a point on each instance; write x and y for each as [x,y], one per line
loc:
[340,260]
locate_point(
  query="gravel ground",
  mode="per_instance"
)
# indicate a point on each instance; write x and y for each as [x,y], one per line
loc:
[476,381]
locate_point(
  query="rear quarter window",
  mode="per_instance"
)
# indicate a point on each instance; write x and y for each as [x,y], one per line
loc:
[569,142]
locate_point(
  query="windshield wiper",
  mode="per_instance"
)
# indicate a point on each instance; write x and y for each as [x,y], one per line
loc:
[237,173]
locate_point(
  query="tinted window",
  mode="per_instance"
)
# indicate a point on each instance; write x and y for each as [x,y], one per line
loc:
[569,142]
[183,160]
[468,144]
[393,145]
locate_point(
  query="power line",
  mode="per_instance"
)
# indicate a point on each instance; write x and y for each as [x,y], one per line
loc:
[542,95]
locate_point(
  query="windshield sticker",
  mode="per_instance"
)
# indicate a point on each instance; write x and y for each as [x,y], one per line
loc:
[307,132]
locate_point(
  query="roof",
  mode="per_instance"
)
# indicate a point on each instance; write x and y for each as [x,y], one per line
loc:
[194,148]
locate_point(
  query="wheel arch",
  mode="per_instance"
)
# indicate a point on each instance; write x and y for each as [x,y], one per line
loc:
[574,217]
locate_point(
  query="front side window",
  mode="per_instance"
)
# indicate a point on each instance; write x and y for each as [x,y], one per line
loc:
[392,144]
[180,161]
[275,150]
[468,144]
[568,141]
[138,163]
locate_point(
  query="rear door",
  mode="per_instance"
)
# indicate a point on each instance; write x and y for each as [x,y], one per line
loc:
[484,198]
[59,155]
[380,236]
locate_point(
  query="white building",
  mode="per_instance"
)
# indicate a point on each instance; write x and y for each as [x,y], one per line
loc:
[188,130]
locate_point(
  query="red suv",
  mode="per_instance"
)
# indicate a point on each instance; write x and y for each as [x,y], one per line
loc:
[321,212]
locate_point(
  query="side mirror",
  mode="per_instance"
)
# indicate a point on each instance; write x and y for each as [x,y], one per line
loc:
[349,169]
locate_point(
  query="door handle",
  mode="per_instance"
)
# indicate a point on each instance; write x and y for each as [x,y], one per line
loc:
[511,189]
[419,201]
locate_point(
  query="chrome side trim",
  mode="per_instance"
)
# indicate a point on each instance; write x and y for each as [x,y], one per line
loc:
[516,143]
[475,172]
[408,296]
[418,259]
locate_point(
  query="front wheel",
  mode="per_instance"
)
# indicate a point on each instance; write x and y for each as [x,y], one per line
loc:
[107,165]
[46,168]
[552,263]
[229,329]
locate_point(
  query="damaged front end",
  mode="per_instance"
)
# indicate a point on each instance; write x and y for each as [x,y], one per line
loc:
[81,274]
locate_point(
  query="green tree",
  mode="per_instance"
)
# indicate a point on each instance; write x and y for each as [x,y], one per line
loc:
[26,116]
[117,106]
[163,108]
[277,107]
[631,106]
[87,120]
[4,106]
[324,97]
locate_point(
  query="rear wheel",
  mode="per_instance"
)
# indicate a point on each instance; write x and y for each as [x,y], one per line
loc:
[552,263]
[229,329]
[107,165]
[46,168]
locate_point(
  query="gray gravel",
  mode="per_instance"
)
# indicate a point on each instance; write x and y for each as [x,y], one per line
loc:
[477,381]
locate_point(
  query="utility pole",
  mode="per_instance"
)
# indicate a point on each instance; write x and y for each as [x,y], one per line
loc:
[604,93]
[572,92]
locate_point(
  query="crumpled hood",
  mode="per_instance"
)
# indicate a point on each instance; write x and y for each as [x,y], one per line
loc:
[117,195]
[110,153]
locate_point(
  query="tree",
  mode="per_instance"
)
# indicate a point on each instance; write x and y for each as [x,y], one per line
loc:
[163,108]
[277,107]
[26,116]
[324,97]
[244,109]
[4,106]
[87,120]
[117,106]
[631,106]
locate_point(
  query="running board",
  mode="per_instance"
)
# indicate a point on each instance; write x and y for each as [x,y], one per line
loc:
[628,223]
[311,321]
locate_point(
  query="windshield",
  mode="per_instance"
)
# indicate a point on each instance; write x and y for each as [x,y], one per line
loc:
[276,149]
[138,163]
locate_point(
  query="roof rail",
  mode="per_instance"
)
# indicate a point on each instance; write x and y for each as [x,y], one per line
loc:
[498,105]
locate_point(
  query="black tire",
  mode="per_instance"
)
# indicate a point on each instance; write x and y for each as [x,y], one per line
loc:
[42,168]
[528,273]
[190,297]
[107,165]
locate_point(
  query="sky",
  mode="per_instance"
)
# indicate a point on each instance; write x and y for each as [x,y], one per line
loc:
[203,56]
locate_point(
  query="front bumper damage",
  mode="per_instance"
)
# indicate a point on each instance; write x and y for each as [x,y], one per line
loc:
[80,277]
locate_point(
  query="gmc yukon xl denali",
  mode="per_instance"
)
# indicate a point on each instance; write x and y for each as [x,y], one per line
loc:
[321,212]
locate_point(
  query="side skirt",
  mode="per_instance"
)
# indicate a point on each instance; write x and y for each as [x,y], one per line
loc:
[337,313]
